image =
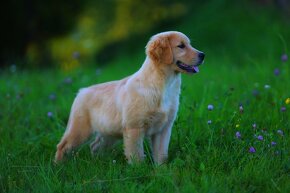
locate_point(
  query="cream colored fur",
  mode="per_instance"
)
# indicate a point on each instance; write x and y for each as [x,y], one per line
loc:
[144,104]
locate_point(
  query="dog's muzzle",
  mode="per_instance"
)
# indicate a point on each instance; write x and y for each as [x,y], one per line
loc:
[187,68]
[191,68]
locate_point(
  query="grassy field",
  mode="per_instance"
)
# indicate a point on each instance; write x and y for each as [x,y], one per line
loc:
[203,157]
[239,145]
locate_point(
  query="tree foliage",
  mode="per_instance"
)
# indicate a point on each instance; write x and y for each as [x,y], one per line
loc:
[69,33]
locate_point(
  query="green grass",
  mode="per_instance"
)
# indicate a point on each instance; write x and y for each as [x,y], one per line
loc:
[203,158]
[242,50]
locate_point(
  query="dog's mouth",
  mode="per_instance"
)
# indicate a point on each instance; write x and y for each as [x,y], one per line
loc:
[187,68]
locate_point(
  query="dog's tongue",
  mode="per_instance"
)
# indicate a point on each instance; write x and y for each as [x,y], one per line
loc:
[196,68]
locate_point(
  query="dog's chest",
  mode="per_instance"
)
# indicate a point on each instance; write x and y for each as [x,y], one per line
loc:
[170,95]
[169,100]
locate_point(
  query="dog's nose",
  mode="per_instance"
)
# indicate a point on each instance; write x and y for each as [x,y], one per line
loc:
[201,56]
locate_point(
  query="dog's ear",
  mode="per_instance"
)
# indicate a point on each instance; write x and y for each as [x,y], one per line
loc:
[159,50]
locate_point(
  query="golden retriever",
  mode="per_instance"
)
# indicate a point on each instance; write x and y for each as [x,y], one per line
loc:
[144,104]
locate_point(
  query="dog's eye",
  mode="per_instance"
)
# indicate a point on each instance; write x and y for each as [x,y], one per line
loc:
[181,46]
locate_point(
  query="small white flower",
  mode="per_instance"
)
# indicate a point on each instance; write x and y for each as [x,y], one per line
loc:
[267,86]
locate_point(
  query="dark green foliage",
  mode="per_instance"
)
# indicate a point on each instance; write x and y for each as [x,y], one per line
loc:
[32,21]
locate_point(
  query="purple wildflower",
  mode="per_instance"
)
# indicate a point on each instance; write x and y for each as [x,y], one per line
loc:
[238,135]
[52,96]
[209,122]
[49,114]
[252,150]
[19,95]
[277,71]
[210,107]
[67,80]
[284,57]
[280,132]
[283,109]
[273,143]
[256,92]
[260,137]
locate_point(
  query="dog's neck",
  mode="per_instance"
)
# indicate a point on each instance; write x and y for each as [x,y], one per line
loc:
[153,72]
[151,75]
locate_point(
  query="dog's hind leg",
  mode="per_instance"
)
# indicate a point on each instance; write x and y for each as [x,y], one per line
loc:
[78,130]
[102,142]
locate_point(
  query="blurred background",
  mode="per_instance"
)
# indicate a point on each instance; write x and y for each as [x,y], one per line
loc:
[68,34]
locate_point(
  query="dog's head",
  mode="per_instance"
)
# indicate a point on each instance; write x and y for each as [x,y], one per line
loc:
[173,50]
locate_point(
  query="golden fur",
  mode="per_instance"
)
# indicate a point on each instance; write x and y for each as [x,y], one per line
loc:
[144,104]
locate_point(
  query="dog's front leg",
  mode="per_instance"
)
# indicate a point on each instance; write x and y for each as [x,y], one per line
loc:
[160,143]
[160,146]
[133,144]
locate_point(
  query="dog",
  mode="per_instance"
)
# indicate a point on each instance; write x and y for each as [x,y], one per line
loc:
[142,105]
